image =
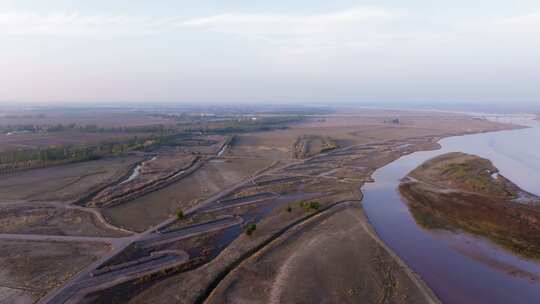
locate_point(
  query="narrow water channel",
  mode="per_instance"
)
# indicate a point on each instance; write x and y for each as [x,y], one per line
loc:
[136,171]
[459,267]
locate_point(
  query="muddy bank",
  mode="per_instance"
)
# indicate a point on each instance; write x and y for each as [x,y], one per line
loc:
[34,268]
[458,191]
[200,182]
[303,266]
[54,219]
[132,190]
[66,183]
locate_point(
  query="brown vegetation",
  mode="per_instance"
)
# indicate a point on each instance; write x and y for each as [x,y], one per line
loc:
[310,145]
[465,172]
[453,192]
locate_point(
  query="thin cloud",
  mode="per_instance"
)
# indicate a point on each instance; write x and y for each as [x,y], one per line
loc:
[17,23]
[237,23]
[263,24]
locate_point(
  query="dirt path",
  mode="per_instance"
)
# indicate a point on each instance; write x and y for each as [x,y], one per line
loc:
[270,273]
[59,238]
[62,294]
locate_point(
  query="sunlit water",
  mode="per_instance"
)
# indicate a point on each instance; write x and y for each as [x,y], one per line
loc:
[461,268]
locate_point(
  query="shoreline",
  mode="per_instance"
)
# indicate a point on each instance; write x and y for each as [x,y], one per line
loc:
[427,292]
[511,127]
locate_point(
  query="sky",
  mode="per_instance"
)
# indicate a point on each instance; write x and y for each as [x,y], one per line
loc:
[249,51]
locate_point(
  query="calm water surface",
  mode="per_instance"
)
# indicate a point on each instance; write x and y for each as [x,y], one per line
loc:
[462,268]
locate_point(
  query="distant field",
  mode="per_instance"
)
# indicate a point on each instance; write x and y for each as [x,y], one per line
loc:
[64,182]
[357,126]
[38,140]
[101,118]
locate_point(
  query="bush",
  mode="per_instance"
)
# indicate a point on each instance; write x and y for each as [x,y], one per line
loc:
[250,228]
[180,215]
[308,206]
[289,209]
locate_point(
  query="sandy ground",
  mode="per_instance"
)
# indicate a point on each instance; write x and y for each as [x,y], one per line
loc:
[154,170]
[30,269]
[51,219]
[65,182]
[330,259]
[357,126]
[311,145]
[157,206]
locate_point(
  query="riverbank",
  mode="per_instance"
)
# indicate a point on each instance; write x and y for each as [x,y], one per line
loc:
[437,254]
[341,173]
[457,191]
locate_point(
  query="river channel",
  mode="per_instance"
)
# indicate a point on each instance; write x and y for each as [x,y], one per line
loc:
[460,267]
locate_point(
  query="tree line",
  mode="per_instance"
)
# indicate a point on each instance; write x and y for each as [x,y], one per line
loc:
[156,128]
[21,159]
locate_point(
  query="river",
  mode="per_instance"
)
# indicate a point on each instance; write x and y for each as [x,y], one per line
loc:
[459,267]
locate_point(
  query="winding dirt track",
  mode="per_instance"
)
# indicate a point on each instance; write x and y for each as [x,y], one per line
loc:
[82,283]
[426,292]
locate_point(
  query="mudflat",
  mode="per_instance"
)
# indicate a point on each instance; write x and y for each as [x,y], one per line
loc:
[29,269]
[152,208]
[332,258]
[54,219]
[459,191]
[64,182]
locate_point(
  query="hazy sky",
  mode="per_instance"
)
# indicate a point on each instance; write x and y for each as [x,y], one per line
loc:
[269,51]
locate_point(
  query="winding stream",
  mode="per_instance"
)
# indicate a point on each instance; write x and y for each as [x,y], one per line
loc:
[136,171]
[459,267]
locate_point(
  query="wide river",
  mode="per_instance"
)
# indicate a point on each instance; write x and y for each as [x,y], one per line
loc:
[459,267]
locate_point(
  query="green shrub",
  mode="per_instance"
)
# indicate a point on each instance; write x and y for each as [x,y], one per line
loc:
[250,228]
[308,206]
[180,215]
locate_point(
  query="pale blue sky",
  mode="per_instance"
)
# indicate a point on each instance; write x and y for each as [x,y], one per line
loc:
[269,51]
